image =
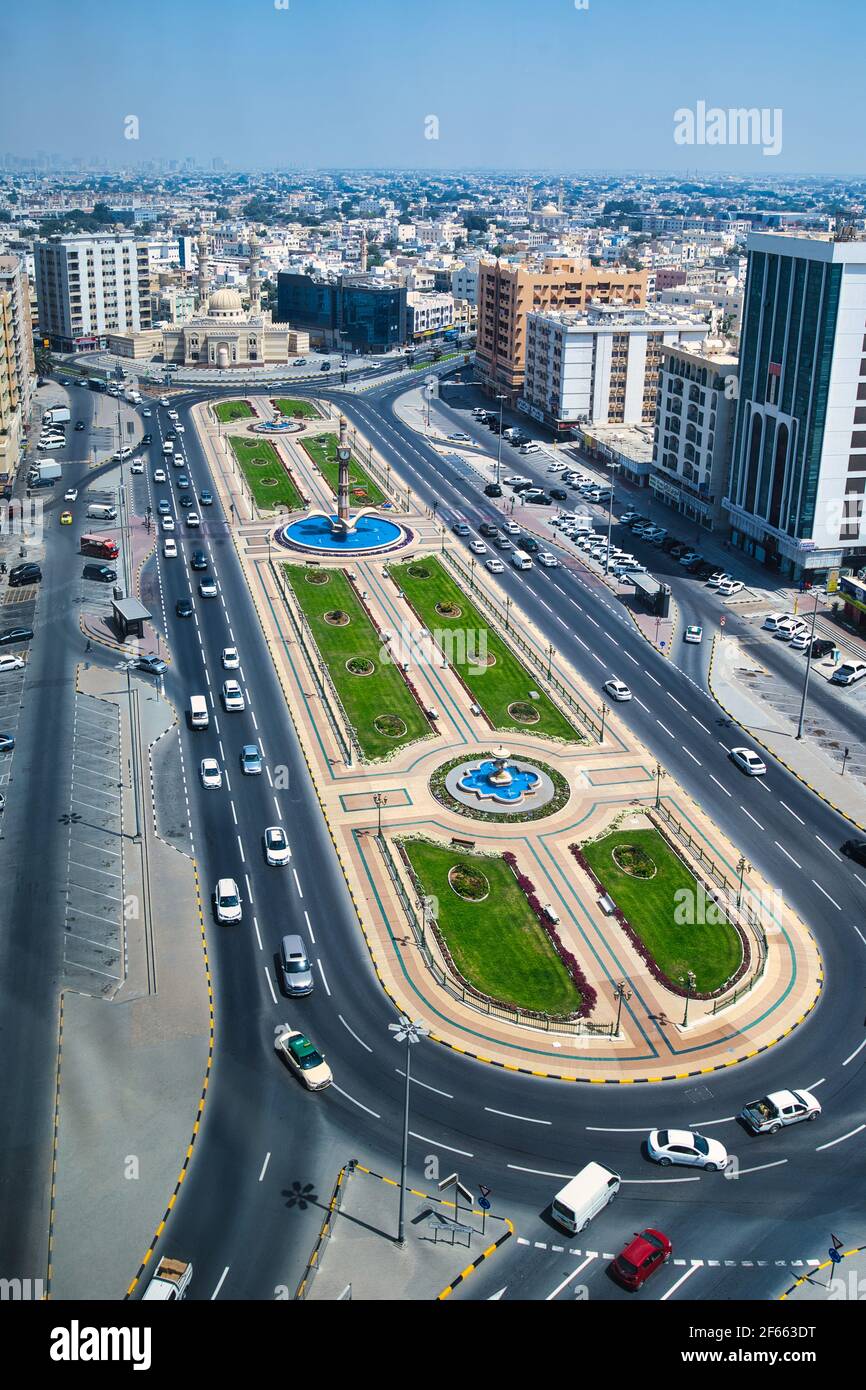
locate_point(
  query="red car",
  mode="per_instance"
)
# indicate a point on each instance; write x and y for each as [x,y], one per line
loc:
[647,1252]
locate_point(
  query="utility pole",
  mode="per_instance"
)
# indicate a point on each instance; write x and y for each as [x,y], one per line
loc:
[802,718]
[501,399]
[410,1033]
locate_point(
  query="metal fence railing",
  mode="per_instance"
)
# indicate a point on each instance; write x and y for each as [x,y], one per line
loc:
[326,1231]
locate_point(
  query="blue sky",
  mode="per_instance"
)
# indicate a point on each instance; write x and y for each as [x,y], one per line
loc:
[513,83]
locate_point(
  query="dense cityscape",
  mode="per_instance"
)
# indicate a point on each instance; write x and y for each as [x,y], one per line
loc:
[433,631]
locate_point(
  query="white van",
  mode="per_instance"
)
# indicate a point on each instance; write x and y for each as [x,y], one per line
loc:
[584,1197]
[520,561]
[168,448]
[198,715]
[102,513]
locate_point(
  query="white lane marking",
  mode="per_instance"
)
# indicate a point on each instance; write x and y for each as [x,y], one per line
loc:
[761,1166]
[699,724]
[591,620]
[610,1129]
[653,679]
[719,785]
[437,1144]
[374,1113]
[262,750]
[632,658]
[241,848]
[255,721]
[226,774]
[423,1084]
[860,880]
[859,933]
[641,703]
[751,817]
[277,805]
[667,731]
[827,847]
[265,1165]
[568,1278]
[703,1124]
[682,1279]
[220,1284]
[791,813]
[309,927]
[324,977]
[270,985]
[676,701]
[841,1139]
[826,895]
[258,934]
[354,1034]
[692,756]
[786,854]
[249,888]
[854,1053]
[506,1114]
[268,771]
[234,812]
[297,882]
[641,1182]
[222,751]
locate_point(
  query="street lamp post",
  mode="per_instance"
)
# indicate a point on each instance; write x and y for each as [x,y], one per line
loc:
[507,613]
[742,866]
[501,399]
[128,666]
[660,773]
[551,653]
[609,517]
[620,992]
[380,800]
[605,710]
[801,720]
[408,1032]
[690,981]
[471,568]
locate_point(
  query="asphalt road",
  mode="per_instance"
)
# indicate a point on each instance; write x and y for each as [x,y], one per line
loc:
[268,1152]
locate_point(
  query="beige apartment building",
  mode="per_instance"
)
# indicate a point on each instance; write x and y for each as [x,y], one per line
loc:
[17,371]
[507,293]
[90,286]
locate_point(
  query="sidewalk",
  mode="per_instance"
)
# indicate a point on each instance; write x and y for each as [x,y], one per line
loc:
[777,734]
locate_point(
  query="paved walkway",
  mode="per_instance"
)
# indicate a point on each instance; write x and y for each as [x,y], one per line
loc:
[730,668]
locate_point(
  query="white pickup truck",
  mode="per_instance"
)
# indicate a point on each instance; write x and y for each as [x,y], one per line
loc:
[170,1281]
[780,1108]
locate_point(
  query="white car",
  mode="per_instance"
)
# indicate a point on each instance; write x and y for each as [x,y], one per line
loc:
[231,660]
[277,850]
[11,663]
[749,762]
[137,466]
[169,548]
[51,443]
[193,520]
[547,559]
[147,414]
[173,415]
[617,690]
[459,437]
[716,579]
[772,621]
[167,523]
[71,494]
[495,566]
[729,587]
[667,1146]
[478,547]
[159,475]
[778,1109]
[163,400]
[511,528]
[179,427]
[233,696]
[120,454]
[207,588]
[227,901]
[788,628]
[210,772]
[693,633]
[514,478]
[801,640]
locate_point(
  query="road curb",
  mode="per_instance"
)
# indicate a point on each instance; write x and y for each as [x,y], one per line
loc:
[805,1278]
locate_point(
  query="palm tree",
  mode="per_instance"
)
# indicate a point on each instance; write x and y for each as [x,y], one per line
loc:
[43,359]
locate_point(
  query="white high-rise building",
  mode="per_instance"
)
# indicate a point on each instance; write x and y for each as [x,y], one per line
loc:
[693,432]
[90,286]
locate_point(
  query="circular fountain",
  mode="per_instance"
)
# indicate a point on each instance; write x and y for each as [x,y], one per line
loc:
[500,783]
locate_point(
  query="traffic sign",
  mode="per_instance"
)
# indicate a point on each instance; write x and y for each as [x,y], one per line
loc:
[722,621]
[835,1239]
[835,1257]
[485,1191]
[484,1203]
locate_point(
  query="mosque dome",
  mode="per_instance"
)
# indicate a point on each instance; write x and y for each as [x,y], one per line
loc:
[549,210]
[225,304]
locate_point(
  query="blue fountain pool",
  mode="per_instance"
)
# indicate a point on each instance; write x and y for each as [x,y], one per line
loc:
[370,533]
[478,780]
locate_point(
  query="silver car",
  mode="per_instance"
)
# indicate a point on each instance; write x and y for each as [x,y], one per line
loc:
[295,967]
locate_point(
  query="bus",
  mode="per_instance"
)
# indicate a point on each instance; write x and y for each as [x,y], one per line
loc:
[100,546]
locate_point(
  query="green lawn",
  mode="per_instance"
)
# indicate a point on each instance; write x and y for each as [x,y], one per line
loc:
[496,686]
[226,411]
[363,492]
[297,408]
[712,950]
[497,944]
[263,469]
[365,698]
[446,357]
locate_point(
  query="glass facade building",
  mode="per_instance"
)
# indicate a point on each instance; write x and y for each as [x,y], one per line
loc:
[343,313]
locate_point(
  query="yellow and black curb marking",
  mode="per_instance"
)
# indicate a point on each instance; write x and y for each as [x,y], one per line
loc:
[772,752]
[806,1278]
[315,1261]
[202,1098]
[55,1144]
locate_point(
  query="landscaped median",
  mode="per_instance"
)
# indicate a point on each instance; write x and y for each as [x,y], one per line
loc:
[497,680]
[268,479]
[363,492]
[299,410]
[378,703]
[487,921]
[226,411]
[652,889]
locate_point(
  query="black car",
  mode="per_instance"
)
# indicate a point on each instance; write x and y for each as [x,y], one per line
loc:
[183,608]
[537,499]
[856,850]
[494,490]
[529,544]
[523,487]
[185,500]
[16,634]
[79,425]
[559,494]
[7,743]
[488,529]
[29,573]
[171,434]
[147,439]
[704,571]
[206,497]
[104,574]
[325,367]
[694,565]
[493,425]
[154,665]
[198,560]
[822,646]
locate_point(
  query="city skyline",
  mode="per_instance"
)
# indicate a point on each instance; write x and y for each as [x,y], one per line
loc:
[386,89]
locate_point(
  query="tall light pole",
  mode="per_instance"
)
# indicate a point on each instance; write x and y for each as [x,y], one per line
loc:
[501,399]
[802,718]
[620,992]
[408,1032]
[742,866]
[128,666]
[604,713]
[660,773]
[379,800]
[690,981]
[609,516]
